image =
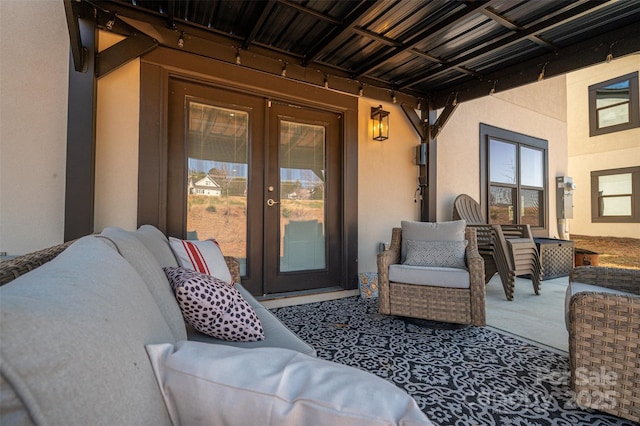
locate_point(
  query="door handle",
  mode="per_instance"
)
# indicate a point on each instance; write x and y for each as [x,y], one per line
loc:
[270,202]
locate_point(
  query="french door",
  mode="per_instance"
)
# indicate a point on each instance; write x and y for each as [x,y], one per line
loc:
[302,232]
[263,178]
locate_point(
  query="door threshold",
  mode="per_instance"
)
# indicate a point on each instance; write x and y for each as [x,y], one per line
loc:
[280,300]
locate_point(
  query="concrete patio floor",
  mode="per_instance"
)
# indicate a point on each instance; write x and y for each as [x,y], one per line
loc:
[539,319]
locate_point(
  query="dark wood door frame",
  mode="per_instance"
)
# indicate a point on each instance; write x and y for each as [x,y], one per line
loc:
[162,63]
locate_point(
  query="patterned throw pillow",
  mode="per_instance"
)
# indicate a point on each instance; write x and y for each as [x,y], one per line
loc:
[449,254]
[202,256]
[213,307]
[430,231]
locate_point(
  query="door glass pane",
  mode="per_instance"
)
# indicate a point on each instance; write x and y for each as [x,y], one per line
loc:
[217,177]
[531,210]
[501,205]
[502,157]
[302,197]
[531,167]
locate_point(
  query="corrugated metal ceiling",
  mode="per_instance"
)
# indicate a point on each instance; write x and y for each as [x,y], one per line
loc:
[425,49]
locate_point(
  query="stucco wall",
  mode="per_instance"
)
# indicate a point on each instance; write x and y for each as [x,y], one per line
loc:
[387,179]
[603,152]
[521,110]
[34,75]
[118,115]
[388,174]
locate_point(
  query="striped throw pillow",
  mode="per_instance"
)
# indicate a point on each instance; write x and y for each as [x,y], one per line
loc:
[201,256]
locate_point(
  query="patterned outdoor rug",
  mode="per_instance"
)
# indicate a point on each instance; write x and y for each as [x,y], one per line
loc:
[458,375]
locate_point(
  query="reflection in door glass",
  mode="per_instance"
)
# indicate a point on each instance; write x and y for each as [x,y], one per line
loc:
[217,178]
[302,197]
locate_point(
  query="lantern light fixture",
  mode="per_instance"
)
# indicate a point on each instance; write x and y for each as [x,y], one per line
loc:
[380,123]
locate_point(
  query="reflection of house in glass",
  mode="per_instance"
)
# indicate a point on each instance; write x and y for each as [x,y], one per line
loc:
[205,186]
[301,184]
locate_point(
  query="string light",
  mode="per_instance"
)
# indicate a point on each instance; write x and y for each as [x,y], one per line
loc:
[493,89]
[284,69]
[326,81]
[455,100]
[361,90]
[238,61]
[541,76]
[610,55]
[419,106]
[393,97]
[110,23]
[181,40]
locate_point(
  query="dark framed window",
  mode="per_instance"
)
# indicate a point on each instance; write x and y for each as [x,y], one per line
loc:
[613,105]
[514,176]
[615,195]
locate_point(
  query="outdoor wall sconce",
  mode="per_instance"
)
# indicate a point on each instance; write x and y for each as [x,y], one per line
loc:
[380,123]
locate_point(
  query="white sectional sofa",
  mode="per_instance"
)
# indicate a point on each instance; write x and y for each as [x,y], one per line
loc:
[95,336]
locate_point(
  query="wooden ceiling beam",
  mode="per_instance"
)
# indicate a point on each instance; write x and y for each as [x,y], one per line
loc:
[311,12]
[418,38]
[625,41]
[77,51]
[122,52]
[331,39]
[495,16]
[257,25]
[540,26]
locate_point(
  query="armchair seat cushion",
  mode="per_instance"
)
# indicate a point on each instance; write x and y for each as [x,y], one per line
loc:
[435,276]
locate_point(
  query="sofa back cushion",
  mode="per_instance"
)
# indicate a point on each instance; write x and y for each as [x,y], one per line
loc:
[73,341]
[158,244]
[143,261]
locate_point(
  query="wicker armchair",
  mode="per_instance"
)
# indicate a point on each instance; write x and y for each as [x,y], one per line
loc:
[437,303]
[604,340]
[13,268]
[507,249]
